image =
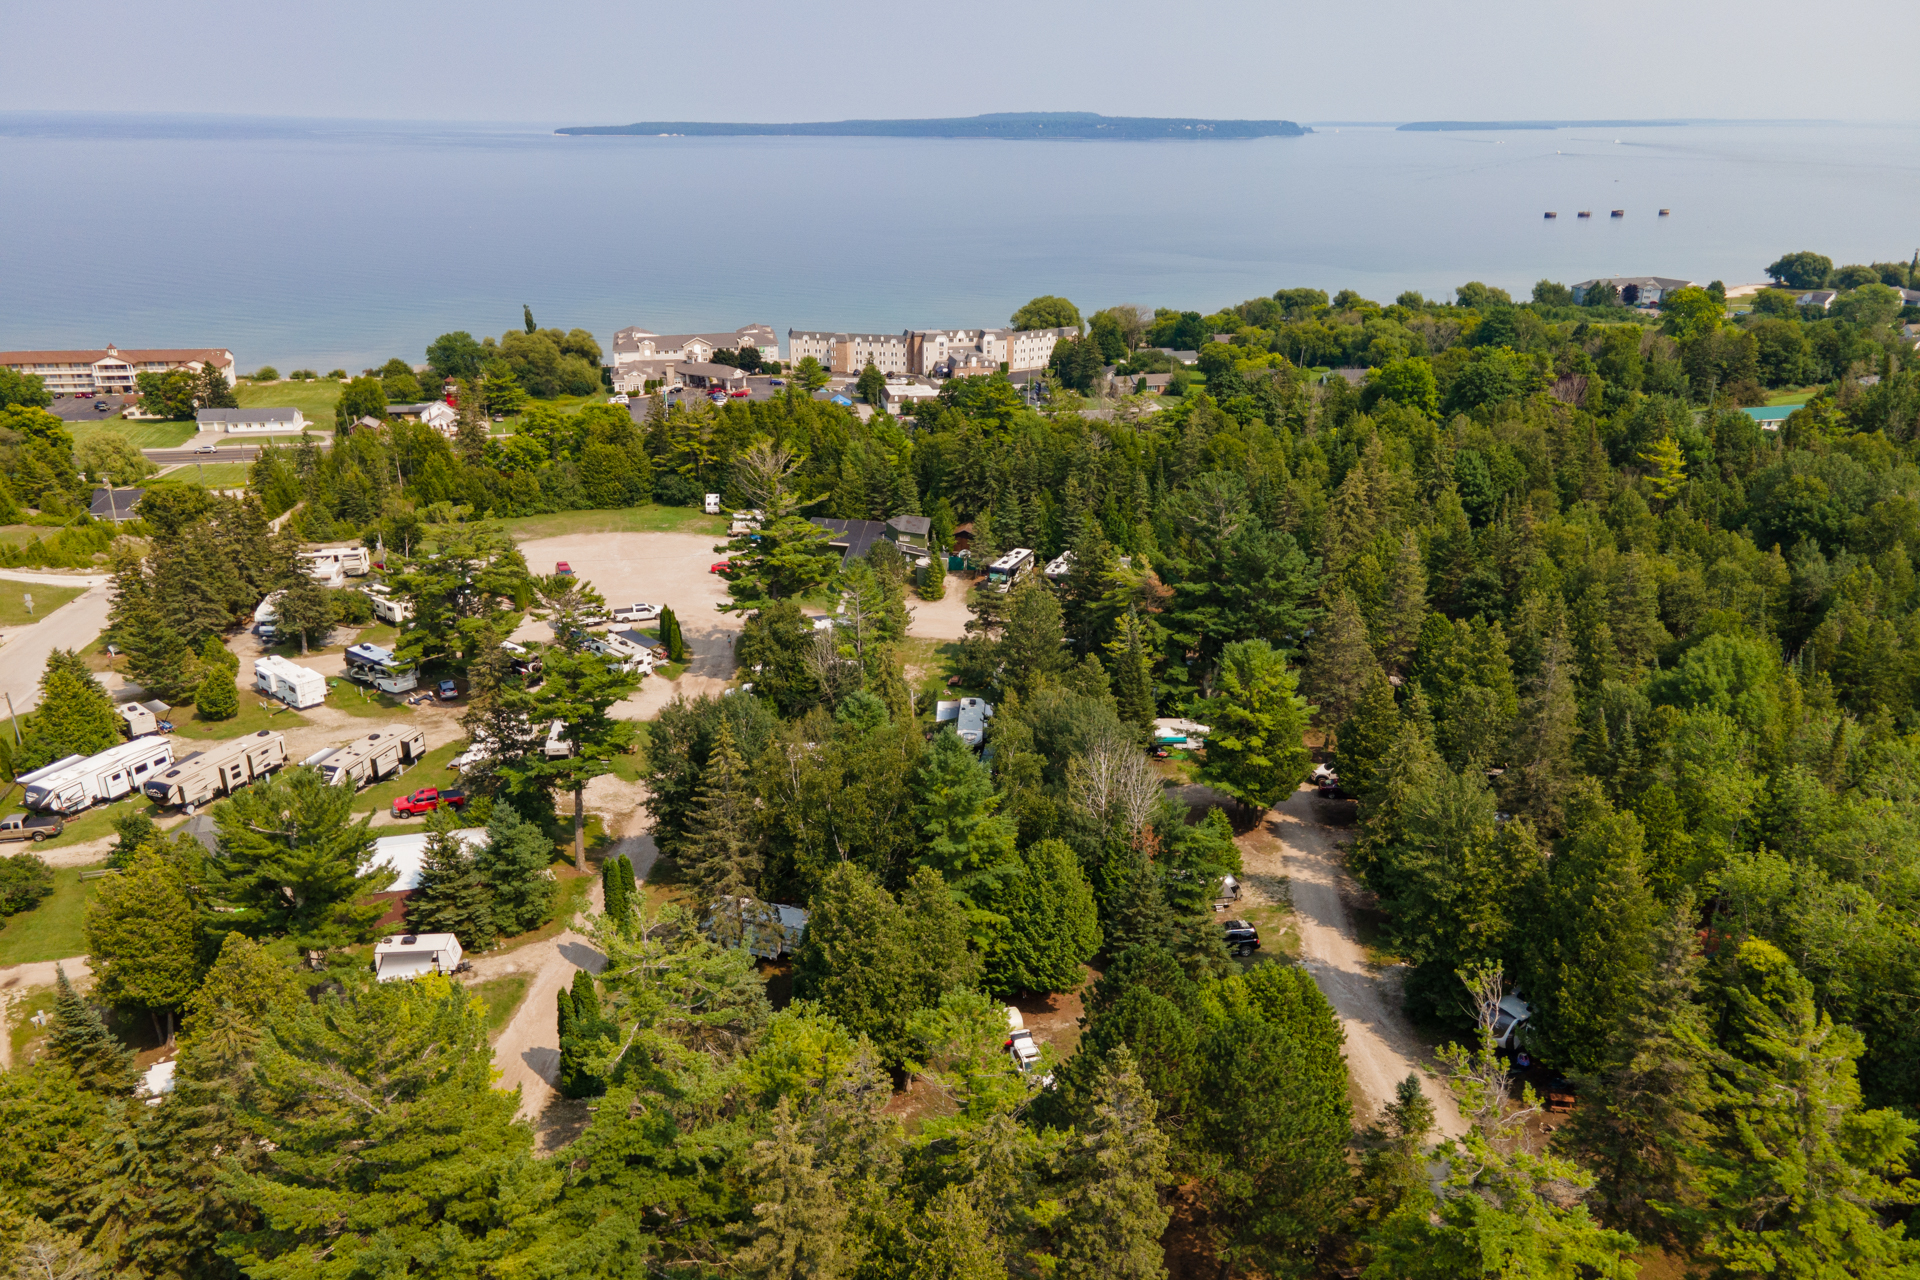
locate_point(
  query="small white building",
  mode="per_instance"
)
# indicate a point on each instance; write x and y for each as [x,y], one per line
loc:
[406,855]
[287,680]
[251,421]
[413,955]
[437,414]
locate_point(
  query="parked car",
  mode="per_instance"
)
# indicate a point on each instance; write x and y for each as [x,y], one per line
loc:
[448,691]
[426,800]
[618,399]
[720,567]
[776,382]
[636,612]
[740,392]
[101,406]
[32,826]
[562,569]
[1242,938]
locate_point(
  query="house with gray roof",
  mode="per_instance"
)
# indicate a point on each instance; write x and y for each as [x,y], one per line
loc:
[1633,291]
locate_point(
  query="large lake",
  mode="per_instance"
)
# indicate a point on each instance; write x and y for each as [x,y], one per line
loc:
[321,243]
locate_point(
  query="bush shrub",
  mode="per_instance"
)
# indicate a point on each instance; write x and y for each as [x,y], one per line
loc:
[218,697]
[24,881]
[265,373]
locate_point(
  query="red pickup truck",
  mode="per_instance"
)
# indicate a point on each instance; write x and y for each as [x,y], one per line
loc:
[426,800]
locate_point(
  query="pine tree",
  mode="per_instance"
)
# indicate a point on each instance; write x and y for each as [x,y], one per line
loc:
[79,1039]
[1796,1170]
[452,897]
[75,716]
[158,660]
[616,888]
[966,840]
[1111,1217]
[1367,735]
[1051,925]
[306,610]
[585,1031]
[799,1226]
[1590,941]
[293,858]
[470,436]
[218,698]
[1256,722]
[1032,648]
[514,865]
[1393,1161]
[1541,774]
[720,853]
[1130,663]
[1339,662]
[953,1240]
[1644,1112]
[1406,607]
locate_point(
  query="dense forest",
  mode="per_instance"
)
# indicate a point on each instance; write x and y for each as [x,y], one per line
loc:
[1620,688]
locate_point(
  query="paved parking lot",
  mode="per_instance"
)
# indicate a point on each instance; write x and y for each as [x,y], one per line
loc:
[73,410]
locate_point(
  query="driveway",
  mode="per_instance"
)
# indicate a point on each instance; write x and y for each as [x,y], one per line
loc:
[1292,854]
[942,619]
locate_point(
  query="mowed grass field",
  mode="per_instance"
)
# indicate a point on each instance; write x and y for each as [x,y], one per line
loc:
[650,518]
[141,435]
[54,929]
[14,597]
[314,399]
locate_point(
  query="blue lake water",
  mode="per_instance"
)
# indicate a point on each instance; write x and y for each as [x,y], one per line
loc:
[316,243]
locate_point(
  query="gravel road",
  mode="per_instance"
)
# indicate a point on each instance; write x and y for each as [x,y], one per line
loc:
[1291,853]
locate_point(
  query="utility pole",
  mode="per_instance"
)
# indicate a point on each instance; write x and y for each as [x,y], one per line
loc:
[15,719]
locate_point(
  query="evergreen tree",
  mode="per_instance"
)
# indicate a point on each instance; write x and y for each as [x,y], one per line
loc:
[158,660]
[78,1039]
[1590,940]
[218,698]
[293,860]
[436,1169]
[1032,648]
[305,610]
[1367,735]
[75,716]
[799,1226]
[1255,747]
[1051,925]
[1393,1161]
[514,865]
[143,937]
[1540,777]
[720,853]
[1796,1170]
[215,391]
[1406,605]
[1139,916]
[1645,1112]
[1339,662]
[1111,1218]
[452,896]
[616,888]
[1130,662]
[952,1239]
[966,840]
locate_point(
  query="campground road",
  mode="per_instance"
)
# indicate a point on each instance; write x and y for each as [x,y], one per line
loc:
[1382,1046]
[74,625]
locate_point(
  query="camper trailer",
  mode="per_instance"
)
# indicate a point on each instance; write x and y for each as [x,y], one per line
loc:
[263,616]
[73,784]
[369,664]
[332,565]
[386,606]
[219,770]
[1010,569]
[380,754]
[558,748]
[141,718]
[293,684]
[414,955]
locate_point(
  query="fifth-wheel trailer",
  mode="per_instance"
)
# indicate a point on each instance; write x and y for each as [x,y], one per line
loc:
[380,754]
[72,784]
[220,770]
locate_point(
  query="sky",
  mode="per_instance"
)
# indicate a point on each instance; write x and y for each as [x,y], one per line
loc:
[563,62]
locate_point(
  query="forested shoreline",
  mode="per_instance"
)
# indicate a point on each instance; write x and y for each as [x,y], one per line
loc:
[1621,689]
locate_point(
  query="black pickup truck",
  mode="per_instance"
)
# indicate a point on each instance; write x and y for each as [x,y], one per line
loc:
[1242,938]
[31,826]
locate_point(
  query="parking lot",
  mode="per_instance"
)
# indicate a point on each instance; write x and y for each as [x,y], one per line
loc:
[72,409]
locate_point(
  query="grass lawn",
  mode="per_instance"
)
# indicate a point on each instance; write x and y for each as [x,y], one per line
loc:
[430,772]
[560,404]
[1801,396]
[93,824]
[314,399]
[502,995]
[209,475]
[256,713]
[22,1031]
[357,700]
[647,519]
[13,598]
[381,633]
[52,930]
[141,435]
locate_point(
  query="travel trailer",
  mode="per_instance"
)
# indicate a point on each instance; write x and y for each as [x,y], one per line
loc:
[380,754]
[293,684]
[77,782]
[219,770]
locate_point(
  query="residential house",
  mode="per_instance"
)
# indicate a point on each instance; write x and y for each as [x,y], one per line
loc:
[1820,299]
[254,421]
[1634,291]
[1183,357]
[115,504]
[903,396]
[438,414]
[109,371]
[855,538]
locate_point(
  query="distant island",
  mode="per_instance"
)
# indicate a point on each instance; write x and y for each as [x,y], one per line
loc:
[1469,126]
[1020,126]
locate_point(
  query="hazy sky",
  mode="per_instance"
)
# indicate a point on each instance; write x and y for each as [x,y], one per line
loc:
[602,61]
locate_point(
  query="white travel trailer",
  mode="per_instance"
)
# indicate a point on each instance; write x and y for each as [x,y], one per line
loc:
[380,754]
[414,955]
[386,606]
[332,565]
[263,616]
[140,718]
[219,770]
[293,684]
[73,784]
[1011,568]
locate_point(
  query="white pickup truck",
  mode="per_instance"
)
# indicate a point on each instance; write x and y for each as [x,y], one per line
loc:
[631,613]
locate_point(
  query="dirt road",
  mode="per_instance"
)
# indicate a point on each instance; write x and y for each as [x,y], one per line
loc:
[73,625]
[1291,853]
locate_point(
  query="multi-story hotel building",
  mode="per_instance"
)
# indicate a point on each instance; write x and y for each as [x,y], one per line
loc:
[927,352]
[110,371]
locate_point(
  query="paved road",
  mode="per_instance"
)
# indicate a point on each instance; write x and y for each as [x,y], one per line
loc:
[221,453]
[72,626]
